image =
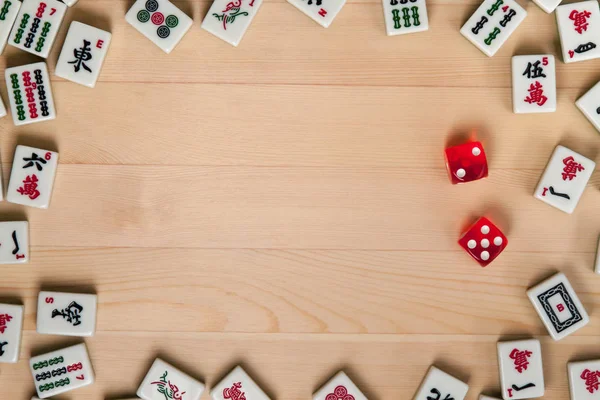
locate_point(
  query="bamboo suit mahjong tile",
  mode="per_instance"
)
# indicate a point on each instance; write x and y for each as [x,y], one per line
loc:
[164,381]
[8,14]
[405,16]
[160,21]
[14,242]
[492,24]
[520,367]
[83,54]
[30,94]
[229,20]
[533,84]
[322,12]
[579,30]
[69,314]
[36,26]
[32,177]
[61,371]
[237,385]
[11,329]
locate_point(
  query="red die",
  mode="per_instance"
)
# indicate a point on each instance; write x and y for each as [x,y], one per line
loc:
[483,241]
[466,162]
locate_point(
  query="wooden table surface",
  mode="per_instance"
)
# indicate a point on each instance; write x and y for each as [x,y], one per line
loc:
[285,204]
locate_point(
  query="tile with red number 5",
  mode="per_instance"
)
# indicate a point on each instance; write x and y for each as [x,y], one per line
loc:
[229,20]
[564,179]
[579,30]
[83,53]
[69,314]
[340,387]
[521,371]
[61,371]
[32,177]
[36,26]
[11,329]
[237,385]
[483,241]
[584,379]
[533,84]
[466,162]
[30,94]
[322,12]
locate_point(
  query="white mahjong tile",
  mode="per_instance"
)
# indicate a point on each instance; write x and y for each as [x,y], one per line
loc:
[405,16]
[36,26]
[160,21]
[584,379]
[11,329]
[69,314]
[597,268]
[492,24]
[441,385]
[229,20]
[30,94]
[164,378]
[341,386]
[534,84]
[579,30]
[14,242]
[589,105]
[547,5]
[2,114]
[8,14]
[564,179]
[521,369]
[484,397]
[322,12]
[70,3]
[237,385]
[32,177]
[558,306]
[61,371]
[83,54]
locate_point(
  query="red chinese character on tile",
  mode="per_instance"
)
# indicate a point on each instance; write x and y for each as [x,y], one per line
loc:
[536,94]
[234,392]
[339,393]
[4,319]
[591,380]
[521,359]
[30,187]
[580,20]
[571,168]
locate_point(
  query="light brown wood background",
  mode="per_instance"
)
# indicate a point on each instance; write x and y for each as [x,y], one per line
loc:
[285,204]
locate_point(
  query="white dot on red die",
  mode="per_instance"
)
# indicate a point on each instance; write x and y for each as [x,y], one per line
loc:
[485,243]
[498,241]
[472,243]
[461,173]
[485,255]
[485,229]
[476,151]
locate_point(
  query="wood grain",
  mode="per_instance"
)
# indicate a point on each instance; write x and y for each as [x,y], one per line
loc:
[285,204]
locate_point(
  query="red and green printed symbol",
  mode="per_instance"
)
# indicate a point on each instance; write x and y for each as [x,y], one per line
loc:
[151,13]
[169,390]
[230,13]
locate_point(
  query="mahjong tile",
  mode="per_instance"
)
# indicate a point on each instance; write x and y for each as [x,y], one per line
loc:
[32,177]
[558,306]
[584,379]
[589,105]
[579,30]
[438,384]
[237,385]
[321,11]
[69,314]
[61,371]
[164,380]
[14,242]
[521,369]
[2,114]
[160,21]
[597,268]
[36,26]
[83,54]
[11,329]
[70,3]
[339,387]
[8,14]
[492,24]
[534,84]
[564,179]
[547,5]
[30,94]
[229,20]
[405,16]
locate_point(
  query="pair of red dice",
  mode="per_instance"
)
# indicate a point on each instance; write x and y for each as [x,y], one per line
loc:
[483,240]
